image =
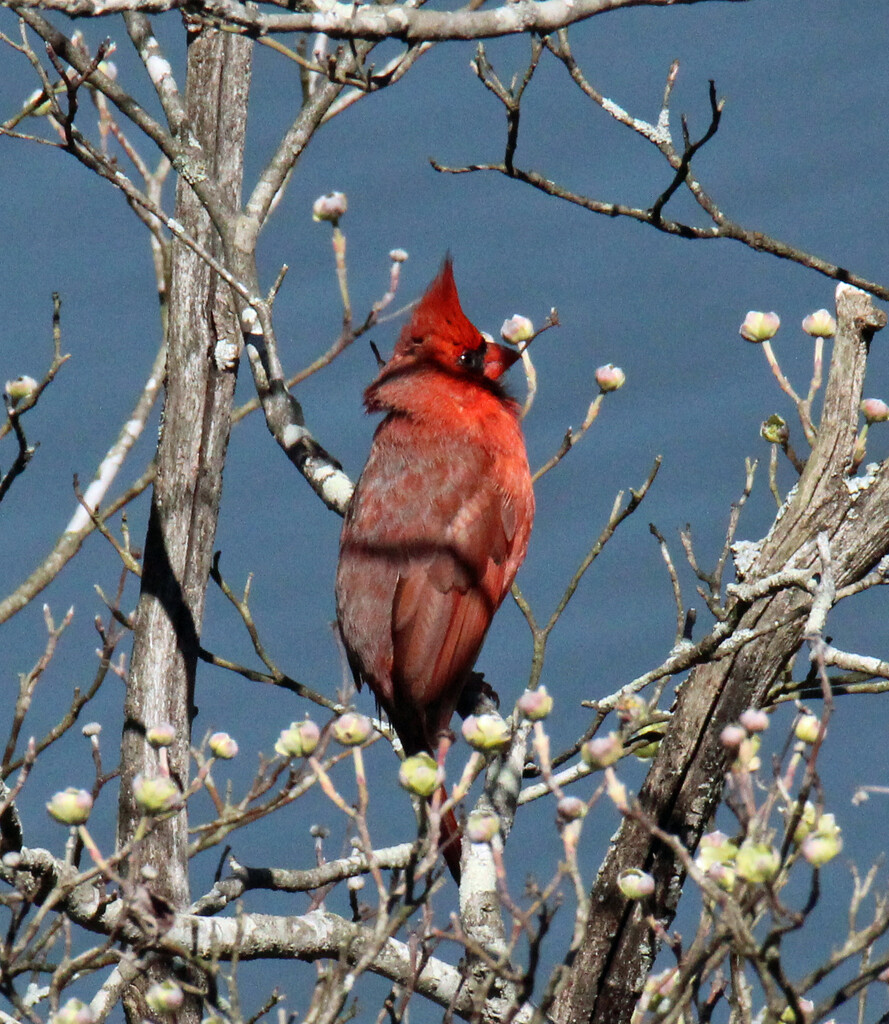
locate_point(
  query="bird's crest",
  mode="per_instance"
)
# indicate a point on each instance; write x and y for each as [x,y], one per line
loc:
[439,323]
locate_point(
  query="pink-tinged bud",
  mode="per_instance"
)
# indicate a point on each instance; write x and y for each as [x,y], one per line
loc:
[70,807]
[352,729]
[759,327]
[874,410]
[570,808]
[299,740]
[616,790]
[820,324]
[73,1012]
[601,751]
[807,728]
[516,330]
[161,735]
[610,377]
[715,848]
[774,430]
[535,704]
[164,997]
[223,746]
[635,883]
[658,988]
[419,774]
[757,862]
[732,736]
[330,207]
[724,875]
[822,846]
[398,255]
[486,732]
[482,826]
[755,720]
[748,755]
[155,794]
[19,389]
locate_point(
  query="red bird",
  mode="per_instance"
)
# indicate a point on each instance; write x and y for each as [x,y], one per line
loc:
[438,524]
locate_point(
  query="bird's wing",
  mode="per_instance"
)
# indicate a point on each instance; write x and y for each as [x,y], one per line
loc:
[430,545]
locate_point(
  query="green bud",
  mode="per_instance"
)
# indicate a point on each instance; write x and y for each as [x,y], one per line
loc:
[419,774]
[70,807]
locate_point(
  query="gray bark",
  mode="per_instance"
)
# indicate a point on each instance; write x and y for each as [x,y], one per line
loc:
[191,455]
[685,783]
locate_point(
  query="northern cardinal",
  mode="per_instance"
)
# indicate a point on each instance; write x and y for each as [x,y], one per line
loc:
[438,524]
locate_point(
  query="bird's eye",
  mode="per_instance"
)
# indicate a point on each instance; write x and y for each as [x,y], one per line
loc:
[473,359]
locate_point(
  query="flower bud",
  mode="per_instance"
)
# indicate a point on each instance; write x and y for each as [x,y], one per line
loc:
[820,847]
[755,720]
[330,207]
[569,808]
[715,848]
[807,823]
[516,330]
[724,875]
[774,430]
[71,806]
[223,746]
[610,377]
[635,883]
[481,827]
[748,755]
[759,327]
[631,709]
[299,740]
[419,774]
[874,410]
[164,997]
[73,1012]
[108,69]
[19,389]
[398,255]
[820,324]
[161,735]
[602,751]
[535,704]
[352,729]
[807,728]
[821,840]
[617,791]
[91,729]
[732,736]
[155,794]
[757,862]
[486,732]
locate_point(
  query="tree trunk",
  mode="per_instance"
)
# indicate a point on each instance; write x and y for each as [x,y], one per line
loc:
[190,460]
[684,786]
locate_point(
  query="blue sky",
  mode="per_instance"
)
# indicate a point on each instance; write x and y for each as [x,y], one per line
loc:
[801,154]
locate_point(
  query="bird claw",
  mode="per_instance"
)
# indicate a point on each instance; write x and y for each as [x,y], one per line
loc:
[478,697]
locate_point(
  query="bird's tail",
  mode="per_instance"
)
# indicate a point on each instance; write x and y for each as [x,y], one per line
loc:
[450,838]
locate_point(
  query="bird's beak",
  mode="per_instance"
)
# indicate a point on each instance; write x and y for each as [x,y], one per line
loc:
[498,359]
